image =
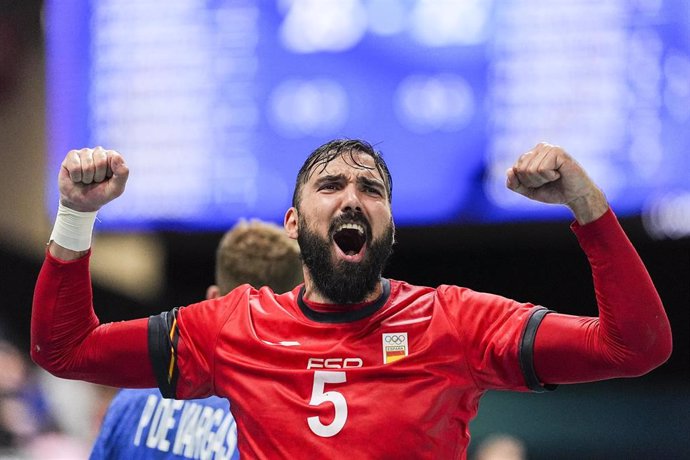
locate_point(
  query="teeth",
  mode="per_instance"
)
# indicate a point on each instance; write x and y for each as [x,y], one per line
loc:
[357,227]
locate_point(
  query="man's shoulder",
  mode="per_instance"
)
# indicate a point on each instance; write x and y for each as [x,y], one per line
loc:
[444,294]
[248,293]
[400,288]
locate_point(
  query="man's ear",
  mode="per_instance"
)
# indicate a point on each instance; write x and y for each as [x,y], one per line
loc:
[290,223]
[212,292]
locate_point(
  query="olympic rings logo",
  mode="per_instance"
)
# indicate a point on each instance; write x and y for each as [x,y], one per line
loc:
[395,339]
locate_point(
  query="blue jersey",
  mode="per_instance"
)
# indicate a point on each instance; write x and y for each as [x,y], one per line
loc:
[140,424]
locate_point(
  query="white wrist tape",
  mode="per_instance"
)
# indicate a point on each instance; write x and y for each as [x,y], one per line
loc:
[73,229]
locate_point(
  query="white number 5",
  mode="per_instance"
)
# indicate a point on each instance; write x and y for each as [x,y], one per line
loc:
[318,396]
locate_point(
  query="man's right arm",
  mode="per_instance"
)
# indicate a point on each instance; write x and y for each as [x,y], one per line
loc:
[67,339]
[66,336]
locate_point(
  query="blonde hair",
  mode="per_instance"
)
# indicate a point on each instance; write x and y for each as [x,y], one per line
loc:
[258,253]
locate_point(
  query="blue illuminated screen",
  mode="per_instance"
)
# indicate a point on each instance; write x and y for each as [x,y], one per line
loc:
[215,104]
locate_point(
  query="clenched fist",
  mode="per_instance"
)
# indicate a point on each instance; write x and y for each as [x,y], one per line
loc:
[547,173]
[90,178]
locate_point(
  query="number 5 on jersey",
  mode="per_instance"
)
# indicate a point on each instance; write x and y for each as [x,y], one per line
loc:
[319,396]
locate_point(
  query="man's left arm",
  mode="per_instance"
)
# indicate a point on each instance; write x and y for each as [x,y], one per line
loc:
[632,334]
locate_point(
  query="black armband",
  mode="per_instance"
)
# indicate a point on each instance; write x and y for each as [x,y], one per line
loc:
[526,352]
[162,337]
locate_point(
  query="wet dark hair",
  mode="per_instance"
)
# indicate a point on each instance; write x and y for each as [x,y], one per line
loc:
[348,148]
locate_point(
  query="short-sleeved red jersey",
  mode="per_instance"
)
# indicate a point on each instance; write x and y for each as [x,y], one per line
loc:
[398,378]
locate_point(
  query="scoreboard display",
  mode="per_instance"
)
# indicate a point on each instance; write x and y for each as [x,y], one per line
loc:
[215,104]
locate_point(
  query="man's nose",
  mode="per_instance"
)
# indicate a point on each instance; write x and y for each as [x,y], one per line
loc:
[351,199]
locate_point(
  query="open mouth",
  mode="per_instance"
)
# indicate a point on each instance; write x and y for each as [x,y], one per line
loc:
[350,238]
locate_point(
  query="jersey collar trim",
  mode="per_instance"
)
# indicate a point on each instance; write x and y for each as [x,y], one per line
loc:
[345,316]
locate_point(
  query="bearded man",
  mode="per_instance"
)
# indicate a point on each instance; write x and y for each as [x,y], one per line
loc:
[350,364]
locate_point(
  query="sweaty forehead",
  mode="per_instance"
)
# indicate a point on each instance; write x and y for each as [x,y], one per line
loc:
[348,164]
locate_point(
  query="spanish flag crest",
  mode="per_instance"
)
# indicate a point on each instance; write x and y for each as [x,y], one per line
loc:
[395,346]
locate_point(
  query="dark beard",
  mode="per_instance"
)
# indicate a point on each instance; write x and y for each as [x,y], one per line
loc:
[344,282]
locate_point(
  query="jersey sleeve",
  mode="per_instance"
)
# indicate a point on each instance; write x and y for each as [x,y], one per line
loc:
[182,345]
[496,338]
[67,338]
[631,335]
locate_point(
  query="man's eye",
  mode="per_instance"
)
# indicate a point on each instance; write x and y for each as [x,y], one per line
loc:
[329,187]
[373,190]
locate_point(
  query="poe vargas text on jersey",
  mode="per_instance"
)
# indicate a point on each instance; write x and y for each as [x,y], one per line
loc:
[186,428]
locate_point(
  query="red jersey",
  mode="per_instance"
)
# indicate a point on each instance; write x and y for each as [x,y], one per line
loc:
[398,378]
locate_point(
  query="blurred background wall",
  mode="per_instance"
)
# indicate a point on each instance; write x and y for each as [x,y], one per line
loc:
[137,274]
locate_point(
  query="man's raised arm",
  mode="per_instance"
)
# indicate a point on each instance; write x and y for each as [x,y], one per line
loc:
[632,334]
[66,337]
